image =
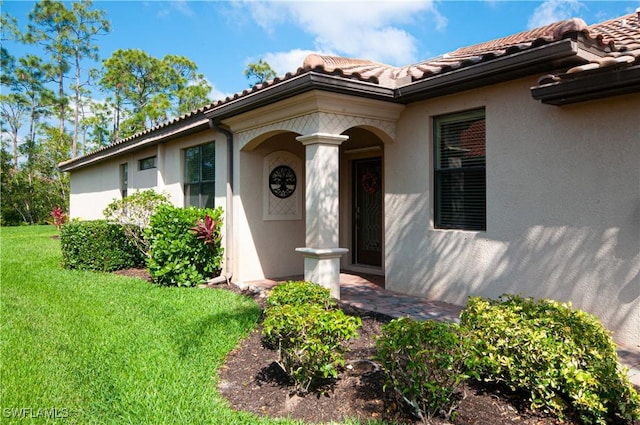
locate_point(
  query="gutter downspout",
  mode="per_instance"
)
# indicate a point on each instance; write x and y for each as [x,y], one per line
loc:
[228,264]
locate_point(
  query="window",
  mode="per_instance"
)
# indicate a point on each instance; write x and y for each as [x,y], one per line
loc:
[459,171]
[147,163]
[124,179]
[200,175]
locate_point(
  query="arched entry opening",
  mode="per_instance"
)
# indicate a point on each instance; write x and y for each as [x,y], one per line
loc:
[362,200]
[270,219]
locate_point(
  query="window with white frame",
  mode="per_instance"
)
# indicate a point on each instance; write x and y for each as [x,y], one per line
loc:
[459,171]
[200,175]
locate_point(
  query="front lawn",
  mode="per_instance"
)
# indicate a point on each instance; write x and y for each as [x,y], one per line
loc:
[84,347]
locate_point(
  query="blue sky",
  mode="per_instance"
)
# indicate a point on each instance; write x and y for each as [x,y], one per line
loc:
[222,37]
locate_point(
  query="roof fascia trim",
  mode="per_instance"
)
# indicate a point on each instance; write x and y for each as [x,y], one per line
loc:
[502,69]
[169,133]
[305,82]
[597,85]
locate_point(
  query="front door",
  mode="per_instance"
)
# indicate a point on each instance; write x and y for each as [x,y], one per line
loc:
[367,212]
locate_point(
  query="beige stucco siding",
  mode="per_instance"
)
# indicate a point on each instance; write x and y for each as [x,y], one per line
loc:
[265,248]
[94,187]
[563,206]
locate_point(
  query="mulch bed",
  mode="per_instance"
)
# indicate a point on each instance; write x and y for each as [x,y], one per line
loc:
[252,381]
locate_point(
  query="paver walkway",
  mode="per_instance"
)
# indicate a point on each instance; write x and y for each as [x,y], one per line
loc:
[367,292]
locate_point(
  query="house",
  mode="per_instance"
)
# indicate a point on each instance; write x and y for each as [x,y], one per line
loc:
[511,166]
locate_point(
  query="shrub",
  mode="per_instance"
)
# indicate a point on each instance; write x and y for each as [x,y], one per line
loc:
[300,292]
[424,365]
[97,245]
[136,210]
[310,340]
[176,256]
[562,358]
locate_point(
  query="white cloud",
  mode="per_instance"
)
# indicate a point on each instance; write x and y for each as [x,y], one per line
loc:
[169,8]
[354,28]
[283,62]
[215,93]
[551,11]
[266,15]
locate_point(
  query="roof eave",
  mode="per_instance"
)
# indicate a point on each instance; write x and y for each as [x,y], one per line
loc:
[162,135]
[518,65]
[596,85]
[303,83]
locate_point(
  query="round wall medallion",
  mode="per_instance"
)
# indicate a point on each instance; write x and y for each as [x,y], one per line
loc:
[282,181]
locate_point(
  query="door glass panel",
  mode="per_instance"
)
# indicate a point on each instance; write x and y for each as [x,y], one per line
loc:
[367,183]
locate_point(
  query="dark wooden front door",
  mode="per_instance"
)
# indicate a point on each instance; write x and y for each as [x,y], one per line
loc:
[367,212]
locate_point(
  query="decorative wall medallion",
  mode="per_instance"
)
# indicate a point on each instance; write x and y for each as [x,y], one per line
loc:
[282,181]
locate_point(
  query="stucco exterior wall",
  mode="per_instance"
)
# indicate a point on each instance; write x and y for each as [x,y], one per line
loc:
[563,206]
[265,248]
[93,188]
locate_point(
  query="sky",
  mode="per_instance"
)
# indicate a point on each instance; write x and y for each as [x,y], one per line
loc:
[222,37]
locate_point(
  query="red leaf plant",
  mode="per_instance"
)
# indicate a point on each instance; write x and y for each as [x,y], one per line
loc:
[59,217]
[207,231]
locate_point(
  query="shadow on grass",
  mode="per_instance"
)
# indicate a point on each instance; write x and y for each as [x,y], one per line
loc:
[222,326]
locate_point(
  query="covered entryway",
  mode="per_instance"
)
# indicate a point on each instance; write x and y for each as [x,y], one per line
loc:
[317,137]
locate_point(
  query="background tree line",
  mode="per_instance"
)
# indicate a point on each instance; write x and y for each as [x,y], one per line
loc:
[59,105]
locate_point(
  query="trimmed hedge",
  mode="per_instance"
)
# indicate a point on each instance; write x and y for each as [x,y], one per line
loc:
[98,245]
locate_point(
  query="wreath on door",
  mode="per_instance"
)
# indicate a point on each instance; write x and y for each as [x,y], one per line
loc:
[370,182]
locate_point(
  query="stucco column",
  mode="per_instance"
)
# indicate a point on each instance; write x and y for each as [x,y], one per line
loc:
[322,254]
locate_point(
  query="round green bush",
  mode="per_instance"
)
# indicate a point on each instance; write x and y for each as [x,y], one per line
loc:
[177,257]
[563,358]
[300,292]
[424,365]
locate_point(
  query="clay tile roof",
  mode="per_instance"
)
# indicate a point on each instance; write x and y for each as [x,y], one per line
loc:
[622,33]
[620,38]
[548,33]
[462,57]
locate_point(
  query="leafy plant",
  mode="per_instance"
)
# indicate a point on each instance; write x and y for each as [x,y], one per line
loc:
[59,217]
[176,256]
[562,358]
[136,210]
[98,245]
[300,292]
[424,365]
[310,340]
[208,231]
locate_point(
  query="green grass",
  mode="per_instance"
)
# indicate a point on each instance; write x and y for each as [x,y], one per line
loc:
[96,348]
